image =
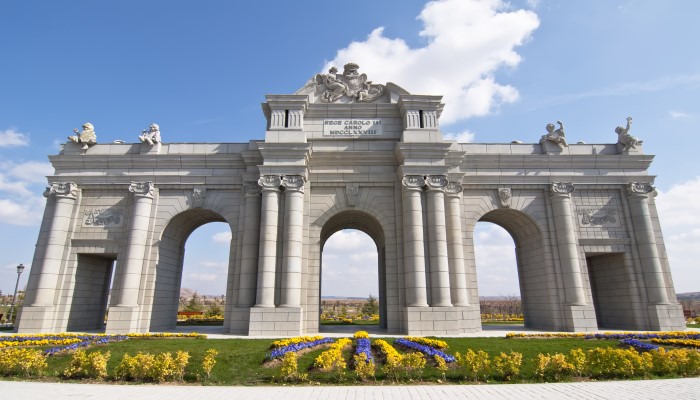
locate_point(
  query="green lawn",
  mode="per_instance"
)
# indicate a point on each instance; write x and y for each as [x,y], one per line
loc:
[354,322]
[240,360]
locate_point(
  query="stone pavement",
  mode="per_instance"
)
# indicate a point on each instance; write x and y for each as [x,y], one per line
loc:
[676,389]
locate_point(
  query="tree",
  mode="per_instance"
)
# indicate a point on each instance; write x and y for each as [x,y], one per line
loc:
[195,303]
[370,307]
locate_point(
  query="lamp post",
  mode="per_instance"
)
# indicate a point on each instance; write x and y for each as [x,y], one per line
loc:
[20,268]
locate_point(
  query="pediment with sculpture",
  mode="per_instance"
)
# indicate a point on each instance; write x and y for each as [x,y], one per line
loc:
[348,87]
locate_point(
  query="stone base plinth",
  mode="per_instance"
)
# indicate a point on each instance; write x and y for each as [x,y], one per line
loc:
[433,321]
[275,321]
[238,320]
[666,317]
[122,319]
[579,318]
[35,319]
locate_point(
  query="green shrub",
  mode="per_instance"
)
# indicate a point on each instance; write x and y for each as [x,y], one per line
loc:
[474,365]
[22,362]
[507,366]
[87,365]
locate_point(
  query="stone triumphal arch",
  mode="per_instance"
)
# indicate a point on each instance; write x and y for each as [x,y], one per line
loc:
[341,153]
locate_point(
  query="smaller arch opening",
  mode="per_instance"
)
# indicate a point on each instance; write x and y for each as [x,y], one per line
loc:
[512,244]
[497,275]
[206,262]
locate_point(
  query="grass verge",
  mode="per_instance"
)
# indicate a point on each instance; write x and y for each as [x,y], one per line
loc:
[240,361]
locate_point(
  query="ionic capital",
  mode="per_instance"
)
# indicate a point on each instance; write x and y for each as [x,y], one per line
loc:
[293,183]
[413,181]
[641,189]
[436,182]
[562,189]
[142,189]
[67,190]
[453,188]
[270,182]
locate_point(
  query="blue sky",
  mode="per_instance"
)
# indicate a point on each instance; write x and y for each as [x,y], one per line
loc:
[201,69]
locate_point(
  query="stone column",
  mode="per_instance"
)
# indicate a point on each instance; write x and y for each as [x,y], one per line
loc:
[65,194]
[437,242]
[638,196]
[267,255]
[455,245]
[566,242]
[293,240]
[414,254]
[136,244]
[251,244]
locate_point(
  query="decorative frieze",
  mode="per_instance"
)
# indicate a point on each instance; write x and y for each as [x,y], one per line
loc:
[112,217]
[603,217]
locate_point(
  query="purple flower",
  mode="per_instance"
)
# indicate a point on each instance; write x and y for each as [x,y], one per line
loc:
[427,350]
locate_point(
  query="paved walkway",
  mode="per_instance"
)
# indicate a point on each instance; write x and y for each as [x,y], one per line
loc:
[676,389]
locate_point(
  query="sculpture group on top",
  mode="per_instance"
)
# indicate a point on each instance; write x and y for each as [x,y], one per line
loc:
[350,85]
[625,141]
[358,88]
[556,136]
[87,137]
[151,136]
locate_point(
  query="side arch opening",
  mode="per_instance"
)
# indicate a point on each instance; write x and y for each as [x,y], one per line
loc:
[170,264]
[536,281]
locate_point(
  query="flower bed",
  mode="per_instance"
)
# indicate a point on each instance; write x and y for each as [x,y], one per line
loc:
[278,352]
[427,350]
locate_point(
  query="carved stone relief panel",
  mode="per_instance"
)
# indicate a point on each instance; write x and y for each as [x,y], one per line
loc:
[107,217]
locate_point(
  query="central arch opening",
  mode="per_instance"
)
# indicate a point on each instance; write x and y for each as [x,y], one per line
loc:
[352,282]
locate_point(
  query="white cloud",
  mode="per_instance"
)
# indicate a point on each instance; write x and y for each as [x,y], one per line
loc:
[468,41]
[203,277]
[25,212]
[12,138]
[222,237]
[680,218]
[496,267]
[677,209]
[350,265]
[533,3]
[20,200]
[464,137]
[31,171]
[213,264]
[675,114]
